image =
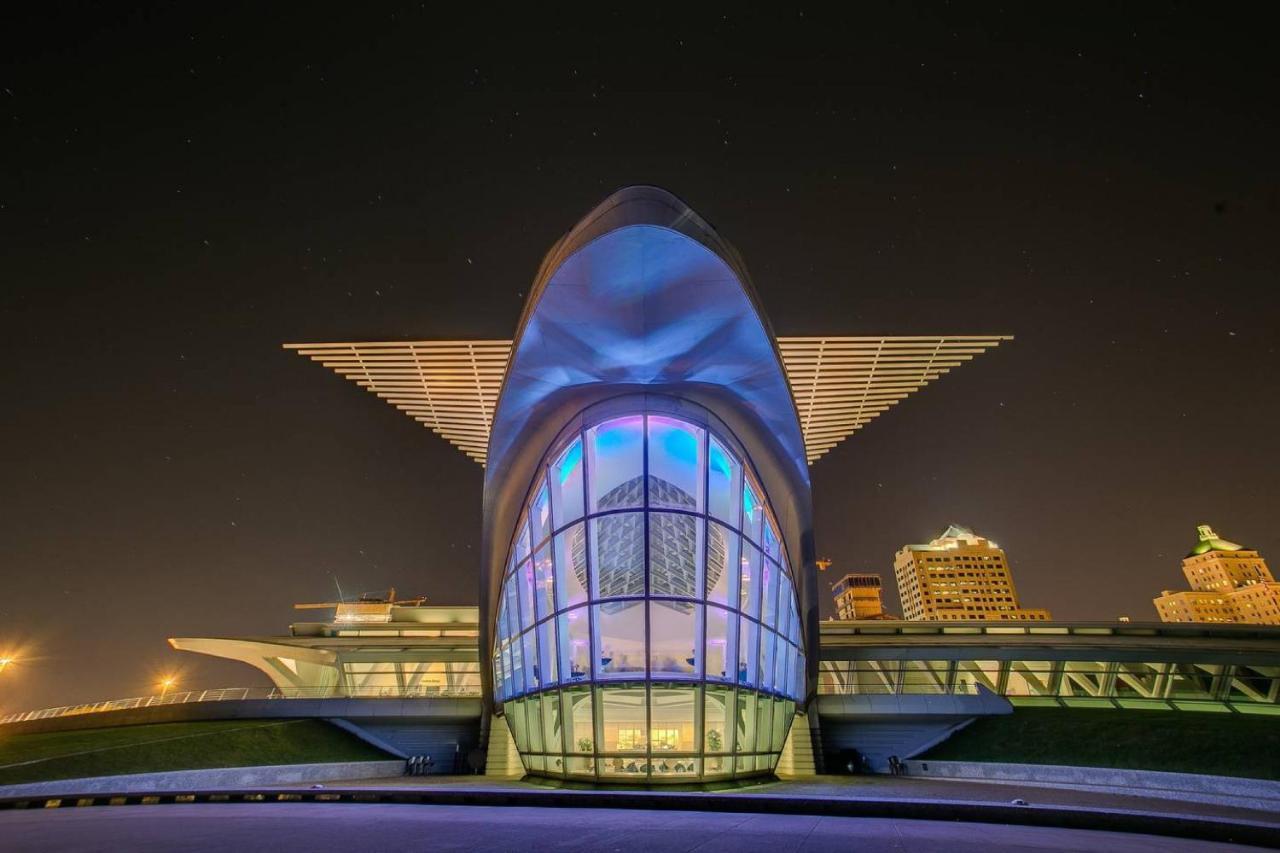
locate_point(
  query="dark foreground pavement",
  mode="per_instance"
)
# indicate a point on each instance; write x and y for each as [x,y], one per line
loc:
[344,828]
[877,788]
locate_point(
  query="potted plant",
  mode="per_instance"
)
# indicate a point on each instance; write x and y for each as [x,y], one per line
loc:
[715,743]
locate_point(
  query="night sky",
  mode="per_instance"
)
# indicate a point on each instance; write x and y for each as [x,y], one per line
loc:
[184,189]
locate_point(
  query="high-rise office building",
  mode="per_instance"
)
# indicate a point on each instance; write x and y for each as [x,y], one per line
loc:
[857,596]
[1229,583]
[958,575]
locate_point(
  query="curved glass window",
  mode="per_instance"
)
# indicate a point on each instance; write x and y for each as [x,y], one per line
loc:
[648,628]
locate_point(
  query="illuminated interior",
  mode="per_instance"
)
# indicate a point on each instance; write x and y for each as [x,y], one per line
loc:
[625,646]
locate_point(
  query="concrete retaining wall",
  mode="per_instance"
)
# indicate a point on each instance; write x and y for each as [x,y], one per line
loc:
[1222,790]
[211,779]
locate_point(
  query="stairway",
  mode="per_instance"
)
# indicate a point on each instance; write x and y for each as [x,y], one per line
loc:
[502,759]
[878,726]
[446,742]
[876,740]
[797,757]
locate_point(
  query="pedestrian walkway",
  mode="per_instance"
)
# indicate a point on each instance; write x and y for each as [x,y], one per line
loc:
[312,827]
[856,788]
[899,799]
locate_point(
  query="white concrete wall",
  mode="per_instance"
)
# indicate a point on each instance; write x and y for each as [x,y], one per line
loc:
[1222,790]
[228,778]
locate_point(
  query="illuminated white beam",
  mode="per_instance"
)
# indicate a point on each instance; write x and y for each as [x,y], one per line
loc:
[839,383]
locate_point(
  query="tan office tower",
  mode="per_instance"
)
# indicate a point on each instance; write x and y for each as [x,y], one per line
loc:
[1229,583]
[958,576]
[857,596]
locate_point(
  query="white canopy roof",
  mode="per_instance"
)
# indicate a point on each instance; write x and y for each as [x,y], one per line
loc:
[839,383]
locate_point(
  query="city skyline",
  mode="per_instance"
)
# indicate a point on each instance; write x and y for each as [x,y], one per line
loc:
[173,473]
[1232,569]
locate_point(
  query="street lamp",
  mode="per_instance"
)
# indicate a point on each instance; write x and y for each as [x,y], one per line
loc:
[165,683]
[5,661]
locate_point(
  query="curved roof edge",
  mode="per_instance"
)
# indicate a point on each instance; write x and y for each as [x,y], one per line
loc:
[640,207]
[640,204]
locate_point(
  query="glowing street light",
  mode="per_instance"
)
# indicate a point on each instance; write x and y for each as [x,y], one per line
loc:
[166,683]
[5,661]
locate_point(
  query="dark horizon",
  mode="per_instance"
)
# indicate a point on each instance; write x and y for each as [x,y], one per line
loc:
[186,192]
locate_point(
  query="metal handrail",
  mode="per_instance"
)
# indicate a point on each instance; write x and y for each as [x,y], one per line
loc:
[236,694]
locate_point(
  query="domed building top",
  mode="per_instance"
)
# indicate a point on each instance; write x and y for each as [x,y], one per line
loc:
[1209,541]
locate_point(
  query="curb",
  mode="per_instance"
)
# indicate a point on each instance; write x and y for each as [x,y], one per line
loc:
[1257,833]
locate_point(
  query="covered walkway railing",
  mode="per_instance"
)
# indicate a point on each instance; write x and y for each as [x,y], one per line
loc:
[233,694]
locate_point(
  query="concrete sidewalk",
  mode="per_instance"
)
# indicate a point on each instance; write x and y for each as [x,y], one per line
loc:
[860,788]
[343,828]
[898,799]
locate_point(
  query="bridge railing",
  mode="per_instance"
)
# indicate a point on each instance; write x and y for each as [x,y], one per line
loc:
[235,694]
[1081,682]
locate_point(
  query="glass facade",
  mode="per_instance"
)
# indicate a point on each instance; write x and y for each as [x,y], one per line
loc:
[648,627]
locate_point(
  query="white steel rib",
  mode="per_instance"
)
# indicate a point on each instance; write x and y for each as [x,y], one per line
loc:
[839,383]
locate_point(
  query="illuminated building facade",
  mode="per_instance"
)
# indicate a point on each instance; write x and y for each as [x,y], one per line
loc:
[959,576]
[647,512]
[367,650]
[1229,583]
[669,609]
[648,606]
[857,596]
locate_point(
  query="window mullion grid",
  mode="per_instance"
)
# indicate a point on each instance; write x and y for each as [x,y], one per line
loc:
[700,593]
[588,555]
[700,625]
[701,629]
[533,598]
[735,601]
[648,683]
[508,574]
[520,607]
[551,619]
[563,675]
[532,630]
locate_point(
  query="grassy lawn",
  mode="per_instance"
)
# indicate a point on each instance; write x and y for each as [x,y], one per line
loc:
[1178,741]
[176,746]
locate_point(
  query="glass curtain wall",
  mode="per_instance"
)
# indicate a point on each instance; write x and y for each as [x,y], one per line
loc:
[648,627]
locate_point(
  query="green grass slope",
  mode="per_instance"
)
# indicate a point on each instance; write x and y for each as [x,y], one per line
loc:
[176,746]
[1177,741]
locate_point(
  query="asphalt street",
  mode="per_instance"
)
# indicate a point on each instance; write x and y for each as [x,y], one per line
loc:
[343,828]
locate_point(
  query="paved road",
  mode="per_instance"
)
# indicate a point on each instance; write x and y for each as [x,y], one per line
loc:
[345,828]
